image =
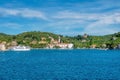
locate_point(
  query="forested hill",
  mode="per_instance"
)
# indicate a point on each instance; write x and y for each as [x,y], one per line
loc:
[38,39]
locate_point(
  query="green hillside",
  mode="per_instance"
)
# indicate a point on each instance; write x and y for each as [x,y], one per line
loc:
[36,39]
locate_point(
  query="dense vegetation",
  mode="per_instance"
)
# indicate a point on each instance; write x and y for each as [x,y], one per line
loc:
[42,39]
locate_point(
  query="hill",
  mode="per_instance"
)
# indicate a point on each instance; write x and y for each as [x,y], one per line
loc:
[37,39]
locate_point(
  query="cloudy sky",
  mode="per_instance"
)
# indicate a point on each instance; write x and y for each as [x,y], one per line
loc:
[66,17]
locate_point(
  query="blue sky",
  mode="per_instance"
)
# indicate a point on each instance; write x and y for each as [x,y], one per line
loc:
[66,17]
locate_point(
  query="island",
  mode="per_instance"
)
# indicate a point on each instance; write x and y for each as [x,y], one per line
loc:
[47,40]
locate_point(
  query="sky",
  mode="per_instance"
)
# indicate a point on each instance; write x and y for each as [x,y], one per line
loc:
[65,17]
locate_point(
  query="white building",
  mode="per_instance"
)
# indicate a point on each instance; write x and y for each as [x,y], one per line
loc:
[70,45]
[2,47]
[65,45]
[62,45]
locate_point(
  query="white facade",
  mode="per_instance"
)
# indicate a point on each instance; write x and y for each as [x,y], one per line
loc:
[63,45]
[2,47]
[70,45]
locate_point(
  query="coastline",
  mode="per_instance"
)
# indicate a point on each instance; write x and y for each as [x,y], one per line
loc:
[106,49]
[64,49]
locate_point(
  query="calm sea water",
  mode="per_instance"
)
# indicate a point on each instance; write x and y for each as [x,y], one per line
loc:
[60,65]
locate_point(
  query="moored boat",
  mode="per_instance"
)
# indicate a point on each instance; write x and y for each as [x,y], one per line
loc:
[20,48]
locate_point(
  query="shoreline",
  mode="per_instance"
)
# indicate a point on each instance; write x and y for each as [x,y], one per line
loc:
[64,49]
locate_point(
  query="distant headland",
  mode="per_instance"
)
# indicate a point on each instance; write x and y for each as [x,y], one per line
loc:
[37,39]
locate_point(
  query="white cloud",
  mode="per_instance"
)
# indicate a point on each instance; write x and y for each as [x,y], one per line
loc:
[86,16]
[75,15]
[103,25]
[24,12]
[92,23]
[97,23]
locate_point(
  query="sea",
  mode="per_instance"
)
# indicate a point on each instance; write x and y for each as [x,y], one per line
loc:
[60,64]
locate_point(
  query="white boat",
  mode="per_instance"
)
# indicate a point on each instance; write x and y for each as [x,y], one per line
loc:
[20,48]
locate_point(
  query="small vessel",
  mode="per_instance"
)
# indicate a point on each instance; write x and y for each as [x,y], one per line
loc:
[20,48]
